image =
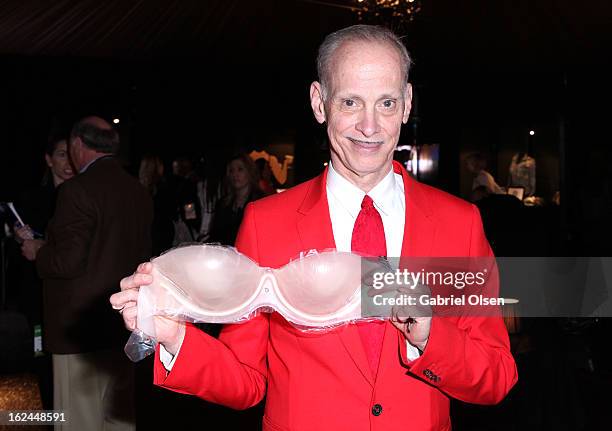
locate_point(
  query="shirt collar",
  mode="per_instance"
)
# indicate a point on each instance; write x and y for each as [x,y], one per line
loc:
[383,193]
[351,196]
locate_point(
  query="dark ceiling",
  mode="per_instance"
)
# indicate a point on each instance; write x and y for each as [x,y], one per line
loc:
[264,31]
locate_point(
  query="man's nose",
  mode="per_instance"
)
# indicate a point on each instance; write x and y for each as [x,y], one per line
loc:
[368,123]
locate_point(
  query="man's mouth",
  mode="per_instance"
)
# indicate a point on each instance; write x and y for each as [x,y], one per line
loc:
[366,144]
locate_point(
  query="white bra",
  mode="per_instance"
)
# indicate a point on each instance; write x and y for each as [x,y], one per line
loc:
[217,284]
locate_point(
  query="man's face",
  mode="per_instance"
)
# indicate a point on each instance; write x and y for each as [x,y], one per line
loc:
[366,104]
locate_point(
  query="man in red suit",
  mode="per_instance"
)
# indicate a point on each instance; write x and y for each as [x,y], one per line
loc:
[391,376]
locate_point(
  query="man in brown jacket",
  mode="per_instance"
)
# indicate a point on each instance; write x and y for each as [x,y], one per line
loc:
[100,231]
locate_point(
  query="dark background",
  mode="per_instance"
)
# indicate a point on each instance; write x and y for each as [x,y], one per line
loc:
[208,78]
[211,77]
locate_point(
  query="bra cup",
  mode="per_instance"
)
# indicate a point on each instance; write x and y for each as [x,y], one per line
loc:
[320,285]
[217,280]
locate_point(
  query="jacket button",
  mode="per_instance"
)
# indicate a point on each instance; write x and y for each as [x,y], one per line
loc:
[431,376]
[376,409]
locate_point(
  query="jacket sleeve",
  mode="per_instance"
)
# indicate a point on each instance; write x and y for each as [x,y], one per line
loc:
[64,256]
[231,370]
[468,357]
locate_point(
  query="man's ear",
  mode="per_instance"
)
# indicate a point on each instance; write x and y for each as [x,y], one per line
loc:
[74,148]
[407,103]
[316,102]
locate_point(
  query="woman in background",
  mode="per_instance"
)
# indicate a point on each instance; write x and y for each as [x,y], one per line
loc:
[241,186]
[59,168]
[36,207]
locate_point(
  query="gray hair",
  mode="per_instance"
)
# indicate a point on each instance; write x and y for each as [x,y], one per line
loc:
[358,33]
[96,138]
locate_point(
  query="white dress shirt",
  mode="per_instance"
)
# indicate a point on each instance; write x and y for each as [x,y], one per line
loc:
[344,201]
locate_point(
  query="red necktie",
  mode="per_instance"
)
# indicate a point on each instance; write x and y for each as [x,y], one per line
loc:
[369,240]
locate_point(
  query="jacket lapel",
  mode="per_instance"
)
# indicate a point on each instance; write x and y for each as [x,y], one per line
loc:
[349,335]
[314,223]
[419,228]
[419,235]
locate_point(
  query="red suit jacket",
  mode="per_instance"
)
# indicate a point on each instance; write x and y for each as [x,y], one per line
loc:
[322,381]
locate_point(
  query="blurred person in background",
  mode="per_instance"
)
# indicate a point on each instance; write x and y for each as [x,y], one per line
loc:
[100,229]
[183,185]
[476,164]
[151,176]
[209,190]
[241,186]
[522,173]
[36,207]
[58,163]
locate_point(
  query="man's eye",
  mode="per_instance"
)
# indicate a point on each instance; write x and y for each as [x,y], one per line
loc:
[388,103]
[349,103]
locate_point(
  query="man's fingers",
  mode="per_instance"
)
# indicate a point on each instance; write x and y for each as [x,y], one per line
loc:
[129,317]
[125,305]
[373,291]
[145,267]
[122,299]
[400,314]
[126,283]
[399,325]
[141,279]
[136,280]
[126,301]
[403,312]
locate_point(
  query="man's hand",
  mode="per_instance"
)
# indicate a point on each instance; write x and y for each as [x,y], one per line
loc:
[415,329]
[169,332]
[30,248]
[23,233]
[413,320]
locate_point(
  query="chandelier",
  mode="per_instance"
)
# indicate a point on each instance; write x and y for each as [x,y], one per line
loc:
[395,14]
